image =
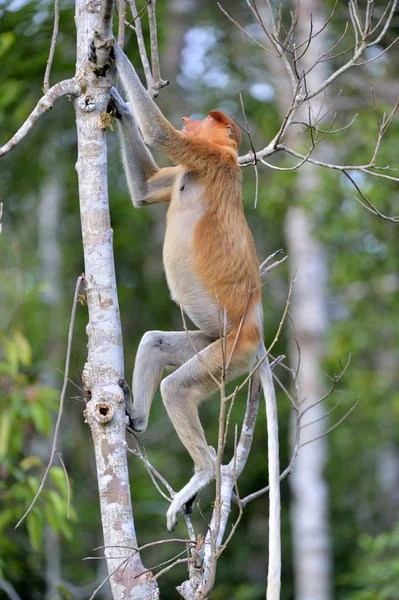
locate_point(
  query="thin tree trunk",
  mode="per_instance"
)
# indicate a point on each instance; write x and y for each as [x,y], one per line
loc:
[50,201]
[105,411]
[309,505]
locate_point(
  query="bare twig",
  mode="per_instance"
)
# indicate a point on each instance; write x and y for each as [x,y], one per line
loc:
[368,204]
[123,564]
[341,420]
[62,398]
[46,82]
[299,413]
[157,81]
[363,168]
[244,30]
[168,568]
[121,22]
[154,474]
[67,482]
[173,560]
[144,546]
[141,43]
[9,590]
[253,152]
[68,87]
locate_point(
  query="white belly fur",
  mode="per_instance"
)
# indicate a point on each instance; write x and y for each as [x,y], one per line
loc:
[185,211]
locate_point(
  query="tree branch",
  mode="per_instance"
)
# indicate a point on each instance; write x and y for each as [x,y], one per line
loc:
[46,82]
[62,398]
[68,87]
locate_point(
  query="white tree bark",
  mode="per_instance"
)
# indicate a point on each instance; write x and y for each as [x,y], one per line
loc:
[50,201]
[309,505]
[105,411]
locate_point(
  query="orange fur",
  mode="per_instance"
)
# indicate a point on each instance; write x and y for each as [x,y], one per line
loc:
[223,249]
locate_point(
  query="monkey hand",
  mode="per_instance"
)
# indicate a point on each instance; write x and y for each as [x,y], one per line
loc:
[186,496]
[136,423]
[92,52]
[118,104]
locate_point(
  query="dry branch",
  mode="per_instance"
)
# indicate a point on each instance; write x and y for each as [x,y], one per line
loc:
[68,87]
[46,82]
[282,42]
[61,407]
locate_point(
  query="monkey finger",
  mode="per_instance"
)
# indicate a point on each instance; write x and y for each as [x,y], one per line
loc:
[92,52]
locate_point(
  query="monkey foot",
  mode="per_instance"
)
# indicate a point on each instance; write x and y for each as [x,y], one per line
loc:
[187,495]
[188,507]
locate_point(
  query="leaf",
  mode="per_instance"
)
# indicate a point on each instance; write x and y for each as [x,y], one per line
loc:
[33,483]
[35,530]
[30,462]
[41,418]
[11,352]
[58,503]
[24,349]
[7,39]
[58,476]
[6,368]
[5,431]
[49,397]
[7,516]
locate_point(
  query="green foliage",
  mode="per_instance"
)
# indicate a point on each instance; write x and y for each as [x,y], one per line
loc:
[26,410]
[377,571]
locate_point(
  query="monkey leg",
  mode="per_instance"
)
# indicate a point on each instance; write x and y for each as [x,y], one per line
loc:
[157,351]
[182,392]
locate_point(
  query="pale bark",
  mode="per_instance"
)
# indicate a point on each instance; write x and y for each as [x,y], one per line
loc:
[50,201]
[105,411]
[46,103]
[309,505]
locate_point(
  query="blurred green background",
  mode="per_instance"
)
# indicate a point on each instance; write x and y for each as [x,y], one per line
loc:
[208,62]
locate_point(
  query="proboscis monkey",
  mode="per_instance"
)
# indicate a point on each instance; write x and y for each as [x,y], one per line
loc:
[210,264]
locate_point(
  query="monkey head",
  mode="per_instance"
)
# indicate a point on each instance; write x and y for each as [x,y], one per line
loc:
[217,128]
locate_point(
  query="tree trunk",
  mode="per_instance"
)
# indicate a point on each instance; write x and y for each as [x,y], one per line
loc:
[50,201]
[105,410]
[309,505]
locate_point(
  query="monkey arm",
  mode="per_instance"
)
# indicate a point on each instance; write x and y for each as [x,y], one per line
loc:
[157,130]
[147,183]
[159,187]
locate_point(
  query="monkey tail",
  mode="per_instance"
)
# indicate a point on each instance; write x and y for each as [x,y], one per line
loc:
[274,567]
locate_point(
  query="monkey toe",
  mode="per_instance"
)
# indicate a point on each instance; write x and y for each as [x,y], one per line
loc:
[171,520]
[122,384]
[137,424]
[188,507]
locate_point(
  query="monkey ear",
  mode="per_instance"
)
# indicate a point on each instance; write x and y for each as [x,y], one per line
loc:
[230,130]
